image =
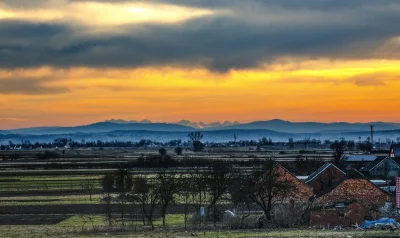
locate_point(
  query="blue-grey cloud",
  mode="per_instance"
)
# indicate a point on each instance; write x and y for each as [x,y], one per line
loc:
[249,33]
[29,86]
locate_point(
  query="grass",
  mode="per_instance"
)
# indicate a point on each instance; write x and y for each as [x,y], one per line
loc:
[72,228]
[50,200]
[172,220]
[82,221]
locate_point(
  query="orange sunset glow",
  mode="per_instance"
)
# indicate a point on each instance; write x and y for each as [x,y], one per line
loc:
[77,62]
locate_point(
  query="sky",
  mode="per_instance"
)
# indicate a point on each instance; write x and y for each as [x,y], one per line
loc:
[73,62]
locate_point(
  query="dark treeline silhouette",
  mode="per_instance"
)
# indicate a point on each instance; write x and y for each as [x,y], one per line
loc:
[193,143]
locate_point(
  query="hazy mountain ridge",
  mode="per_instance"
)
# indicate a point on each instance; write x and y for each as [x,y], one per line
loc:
[197,125]
[185,126]
[103,127]
[315,127]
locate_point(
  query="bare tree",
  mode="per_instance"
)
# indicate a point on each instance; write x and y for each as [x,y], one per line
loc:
[196,137]
[238,195]
[339,147]
[106,200]
[89,185]
[122,177]
[148,196]
[196,188]
[219,179]
[168,185]
[266,185]
[184,192]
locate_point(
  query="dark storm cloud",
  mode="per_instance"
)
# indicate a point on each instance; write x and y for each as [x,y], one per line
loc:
[253,32]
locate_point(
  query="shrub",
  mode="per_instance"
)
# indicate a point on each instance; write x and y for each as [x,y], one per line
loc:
[241,222]
[178,150]
[162,152]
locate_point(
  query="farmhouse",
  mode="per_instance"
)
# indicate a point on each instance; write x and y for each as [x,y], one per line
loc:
[352,201]
[325,178]
[383,167]
[357,161]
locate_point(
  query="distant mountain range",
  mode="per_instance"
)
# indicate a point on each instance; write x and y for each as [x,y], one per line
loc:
[315,127]
[103,127]
[197,125]
[275,125]
[277,130]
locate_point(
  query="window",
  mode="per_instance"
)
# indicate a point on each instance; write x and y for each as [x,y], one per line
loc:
[340,205]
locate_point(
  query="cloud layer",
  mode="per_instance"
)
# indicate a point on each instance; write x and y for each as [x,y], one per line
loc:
[219,34]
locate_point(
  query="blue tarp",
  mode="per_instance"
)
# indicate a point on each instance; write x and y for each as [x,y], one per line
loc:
[380,222]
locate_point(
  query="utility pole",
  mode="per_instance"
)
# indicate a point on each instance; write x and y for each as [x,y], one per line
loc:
[372,135]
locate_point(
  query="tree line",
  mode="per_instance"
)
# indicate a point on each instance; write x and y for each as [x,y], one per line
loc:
[258,188]
[194,141]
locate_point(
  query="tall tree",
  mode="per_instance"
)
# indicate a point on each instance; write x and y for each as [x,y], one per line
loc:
[195,138]
[266,185]
[89,185]
[148,196]
[338,148]
[219,179]
[168,187]
[196,185]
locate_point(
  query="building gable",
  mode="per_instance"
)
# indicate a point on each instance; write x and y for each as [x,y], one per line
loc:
[303,191]
[386,168]
[325,178]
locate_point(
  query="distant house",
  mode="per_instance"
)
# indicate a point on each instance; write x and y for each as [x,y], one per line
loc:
[394,150]
[325,178]
[352,201]
[357,161]
[383,167]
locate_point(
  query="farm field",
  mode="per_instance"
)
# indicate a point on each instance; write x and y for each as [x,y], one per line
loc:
[64,197]
[29,181]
